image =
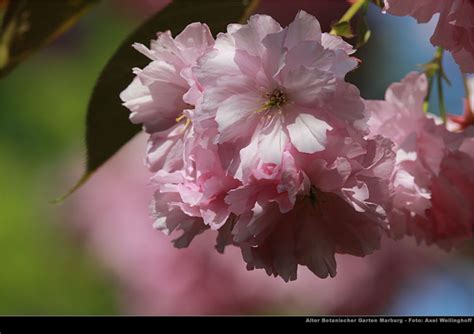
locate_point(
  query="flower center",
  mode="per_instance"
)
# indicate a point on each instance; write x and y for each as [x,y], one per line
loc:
[275,100]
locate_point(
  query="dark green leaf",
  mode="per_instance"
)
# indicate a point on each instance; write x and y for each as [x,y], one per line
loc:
[28,25]
[108,126]
[343,29]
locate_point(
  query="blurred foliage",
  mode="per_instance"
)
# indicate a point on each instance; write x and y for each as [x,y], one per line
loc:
[42,110]
[28,25]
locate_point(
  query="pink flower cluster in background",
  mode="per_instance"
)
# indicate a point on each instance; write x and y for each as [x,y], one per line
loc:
[433,181]
[455,28]
[258,136]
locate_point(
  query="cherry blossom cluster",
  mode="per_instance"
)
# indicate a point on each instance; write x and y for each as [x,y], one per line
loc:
[257,135]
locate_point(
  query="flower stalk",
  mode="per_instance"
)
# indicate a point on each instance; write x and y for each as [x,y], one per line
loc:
[466,86]
[434,70]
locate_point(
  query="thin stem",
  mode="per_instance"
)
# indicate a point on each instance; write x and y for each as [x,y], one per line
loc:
[351,12]
[439,80]
[437,61]
[426,103]
[442,106]
[432,69]
[467,91]
[439,54]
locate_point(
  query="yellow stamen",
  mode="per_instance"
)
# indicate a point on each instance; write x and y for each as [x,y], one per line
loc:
[187,121]
[180,118]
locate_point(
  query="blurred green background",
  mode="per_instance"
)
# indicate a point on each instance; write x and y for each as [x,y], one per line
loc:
[42,111]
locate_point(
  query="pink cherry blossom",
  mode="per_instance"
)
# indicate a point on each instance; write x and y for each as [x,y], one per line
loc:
[193,198]
[155,97]
[166,90]
[432,198]
[190,191]
[291,130]
[455,28]
[266,86]
[109,217]
[275,133]
[311,207]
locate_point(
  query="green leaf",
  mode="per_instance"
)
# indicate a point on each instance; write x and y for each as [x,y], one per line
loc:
[343,29]
[28,25]
[108,126]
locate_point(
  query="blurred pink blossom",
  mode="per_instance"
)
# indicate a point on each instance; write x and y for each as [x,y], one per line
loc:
[455,28]
[433,180]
